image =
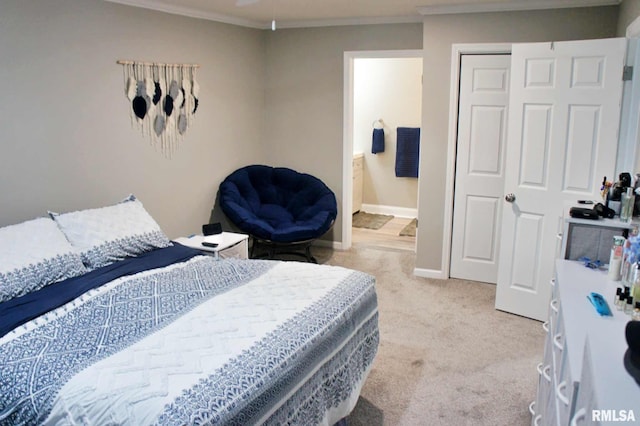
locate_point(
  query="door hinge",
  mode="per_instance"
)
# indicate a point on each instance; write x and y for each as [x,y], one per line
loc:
[627,73]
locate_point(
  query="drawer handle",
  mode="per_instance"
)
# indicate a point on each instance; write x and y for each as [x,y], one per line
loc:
[552,281]
[545,373]
[531,408]
[559,389]
[556,341]
[578,417]
[536,421]
[539,368]
[554,305]
[545,326]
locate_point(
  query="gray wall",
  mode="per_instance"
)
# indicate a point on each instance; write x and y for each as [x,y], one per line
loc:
[440,32]
[304,94]
[629,11]
[66,140]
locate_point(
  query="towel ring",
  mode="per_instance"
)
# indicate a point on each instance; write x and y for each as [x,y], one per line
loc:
[378,121]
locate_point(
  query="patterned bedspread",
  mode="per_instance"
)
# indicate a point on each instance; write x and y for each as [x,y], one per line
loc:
[197,342]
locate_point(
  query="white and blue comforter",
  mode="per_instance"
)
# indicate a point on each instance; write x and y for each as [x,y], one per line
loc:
[197,342]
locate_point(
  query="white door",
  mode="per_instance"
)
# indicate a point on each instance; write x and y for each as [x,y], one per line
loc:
[563,131]
[480,157]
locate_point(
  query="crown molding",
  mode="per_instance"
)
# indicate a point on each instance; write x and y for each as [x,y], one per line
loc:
[349,21]
[510,6]
[192,13]
[505,6]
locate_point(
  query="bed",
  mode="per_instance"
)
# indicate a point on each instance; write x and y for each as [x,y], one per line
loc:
[111,326]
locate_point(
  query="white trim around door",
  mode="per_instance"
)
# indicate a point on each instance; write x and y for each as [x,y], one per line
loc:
[457,50]
[347,132]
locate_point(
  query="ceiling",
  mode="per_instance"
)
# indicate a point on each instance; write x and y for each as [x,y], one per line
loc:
[309,13]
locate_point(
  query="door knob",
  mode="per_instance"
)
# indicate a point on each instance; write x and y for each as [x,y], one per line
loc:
[510,197]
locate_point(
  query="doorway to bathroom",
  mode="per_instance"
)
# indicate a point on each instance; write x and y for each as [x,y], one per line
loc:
[383,92]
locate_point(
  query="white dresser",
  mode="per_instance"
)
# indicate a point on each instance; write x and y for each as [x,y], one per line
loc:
[582,377]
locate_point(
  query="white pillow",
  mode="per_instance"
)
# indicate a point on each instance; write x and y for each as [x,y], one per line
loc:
[34,254]
[108,234]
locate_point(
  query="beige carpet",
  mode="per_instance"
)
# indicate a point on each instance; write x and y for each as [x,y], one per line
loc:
[446,356]
[370,220]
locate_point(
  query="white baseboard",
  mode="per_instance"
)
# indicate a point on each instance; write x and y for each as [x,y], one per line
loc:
[392,210]
[430,273]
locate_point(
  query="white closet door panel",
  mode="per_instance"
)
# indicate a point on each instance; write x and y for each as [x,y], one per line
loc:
[563,127]
[482,125]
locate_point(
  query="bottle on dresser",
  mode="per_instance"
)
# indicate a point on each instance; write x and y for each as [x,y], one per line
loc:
[627,201]
[616,266]
[634,289]
[630,297]
[630,256]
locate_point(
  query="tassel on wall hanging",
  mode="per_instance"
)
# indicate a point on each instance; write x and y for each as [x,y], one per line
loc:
[163,99]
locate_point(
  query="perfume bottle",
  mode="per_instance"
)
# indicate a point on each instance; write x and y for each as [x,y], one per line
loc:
[635,287]
[622,301]
[628,307]
[627,202]
[615,258]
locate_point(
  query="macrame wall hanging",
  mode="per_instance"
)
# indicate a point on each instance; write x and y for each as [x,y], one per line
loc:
[162,100]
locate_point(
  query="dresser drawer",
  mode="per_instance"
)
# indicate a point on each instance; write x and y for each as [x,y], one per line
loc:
[557,337]
[585,397]
[564,393]
[588,379]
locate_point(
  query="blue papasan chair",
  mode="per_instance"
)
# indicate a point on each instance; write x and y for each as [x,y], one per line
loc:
[283,211]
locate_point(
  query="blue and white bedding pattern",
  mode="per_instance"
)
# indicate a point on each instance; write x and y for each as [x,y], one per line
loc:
[201,341]
[34,255]
[107,234]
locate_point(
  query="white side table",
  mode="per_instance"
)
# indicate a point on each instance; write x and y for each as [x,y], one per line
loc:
[230,244]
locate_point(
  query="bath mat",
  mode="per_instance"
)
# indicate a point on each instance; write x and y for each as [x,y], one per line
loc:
[370,220]
[410,229]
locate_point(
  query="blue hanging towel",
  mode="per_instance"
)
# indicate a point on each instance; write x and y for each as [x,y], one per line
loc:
[407,152]
[377,144]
